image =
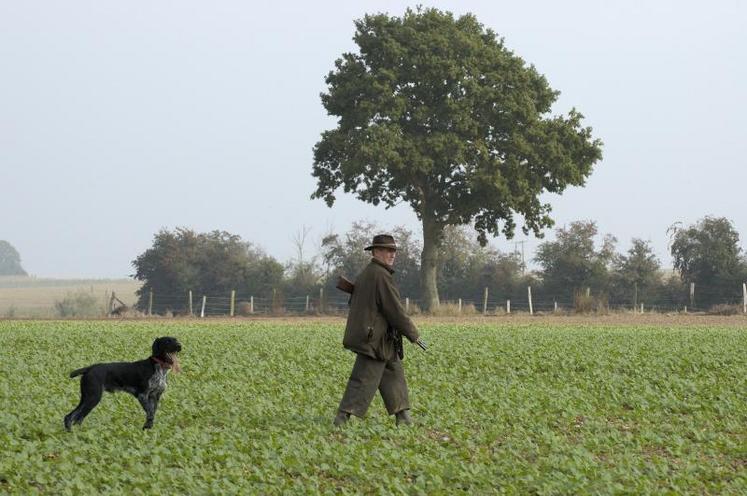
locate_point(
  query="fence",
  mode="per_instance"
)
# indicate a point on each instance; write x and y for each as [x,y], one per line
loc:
[233,303]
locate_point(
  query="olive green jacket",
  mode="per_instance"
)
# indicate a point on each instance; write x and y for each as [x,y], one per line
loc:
[376,310]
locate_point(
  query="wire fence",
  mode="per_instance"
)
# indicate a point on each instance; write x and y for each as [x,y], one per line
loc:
[237,304]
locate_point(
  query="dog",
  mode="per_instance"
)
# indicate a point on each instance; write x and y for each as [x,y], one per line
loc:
[144,379]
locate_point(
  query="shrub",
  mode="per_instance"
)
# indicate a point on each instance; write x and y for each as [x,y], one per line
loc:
[451,309]
[413,309]
[725,310]
[583,303]
[244,308]
[10,313]
[80,304]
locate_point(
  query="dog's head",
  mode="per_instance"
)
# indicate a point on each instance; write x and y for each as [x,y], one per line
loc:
[165,349]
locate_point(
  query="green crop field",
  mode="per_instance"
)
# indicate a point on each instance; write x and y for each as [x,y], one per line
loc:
[499,407]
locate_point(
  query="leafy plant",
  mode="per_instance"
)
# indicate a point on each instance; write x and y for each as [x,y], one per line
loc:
[540,408]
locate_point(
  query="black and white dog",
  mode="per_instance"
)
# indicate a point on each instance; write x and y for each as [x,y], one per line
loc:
[145,379]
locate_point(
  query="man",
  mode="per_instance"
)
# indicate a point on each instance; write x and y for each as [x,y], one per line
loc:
[374,330]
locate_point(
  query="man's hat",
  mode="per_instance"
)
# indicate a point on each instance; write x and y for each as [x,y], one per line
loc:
[382,241]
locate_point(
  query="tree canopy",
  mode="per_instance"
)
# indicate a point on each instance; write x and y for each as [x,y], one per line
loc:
[572,262]
[10,260]
[708,253]
[206,263]
[436,112]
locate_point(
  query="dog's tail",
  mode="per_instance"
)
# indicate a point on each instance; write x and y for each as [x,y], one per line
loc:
[78,372]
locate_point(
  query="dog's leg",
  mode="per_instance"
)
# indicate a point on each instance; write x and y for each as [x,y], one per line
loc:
[149,404]
[70,417]
[154,406]
[91,393]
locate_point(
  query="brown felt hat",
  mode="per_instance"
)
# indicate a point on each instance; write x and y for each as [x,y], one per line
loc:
[382,241]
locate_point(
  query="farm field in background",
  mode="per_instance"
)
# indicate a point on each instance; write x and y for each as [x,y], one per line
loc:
[34,297]
[516,406]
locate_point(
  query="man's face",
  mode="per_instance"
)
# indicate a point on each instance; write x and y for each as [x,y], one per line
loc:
[385,255]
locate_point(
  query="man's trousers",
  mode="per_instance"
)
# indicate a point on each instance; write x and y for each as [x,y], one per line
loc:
[369,375]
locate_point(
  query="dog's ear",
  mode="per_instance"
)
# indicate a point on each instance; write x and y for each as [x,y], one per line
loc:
[158,346]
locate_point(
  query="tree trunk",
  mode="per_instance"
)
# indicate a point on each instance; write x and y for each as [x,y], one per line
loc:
[428,262]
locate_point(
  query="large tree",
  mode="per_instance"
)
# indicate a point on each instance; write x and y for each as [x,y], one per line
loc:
[205,263]
[708,254]
[10,260]
[572,263]
[435,111]
[637,273]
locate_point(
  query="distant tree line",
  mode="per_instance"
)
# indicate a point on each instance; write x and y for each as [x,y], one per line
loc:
[706,254]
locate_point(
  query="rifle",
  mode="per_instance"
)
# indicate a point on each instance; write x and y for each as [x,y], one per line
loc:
[343,284]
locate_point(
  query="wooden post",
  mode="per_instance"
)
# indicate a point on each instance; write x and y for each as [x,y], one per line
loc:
[150,303]
[641,308]
[233,301]
[635,296]
[202,312]
[588,292]
[111,303]
[251,304]
[508,306]
[460,305]
[529,294]
[685,308]
[307,303]
[485,302]
[190,304]
[321,300]
[744,297]
[407,304]
[692,294]
[555,306]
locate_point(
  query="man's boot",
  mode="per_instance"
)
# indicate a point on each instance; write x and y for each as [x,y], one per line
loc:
[341,418]
[403,417]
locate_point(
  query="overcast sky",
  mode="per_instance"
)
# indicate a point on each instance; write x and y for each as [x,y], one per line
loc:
[118,119]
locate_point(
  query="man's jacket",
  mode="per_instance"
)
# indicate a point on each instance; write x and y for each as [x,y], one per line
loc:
[376,313]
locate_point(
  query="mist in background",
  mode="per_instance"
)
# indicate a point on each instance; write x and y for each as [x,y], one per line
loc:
[119,119]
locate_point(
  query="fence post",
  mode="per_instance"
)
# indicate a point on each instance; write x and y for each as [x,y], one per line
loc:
[150,303]
[251,304]
[744,297]
[233,301]
[555,306]
[685,308]
[485,302]
[407,304]
[508,306]
[460,305]
[307,303]
[529,294]
[588,292]
[692,294]
[641,308]
[191,314]
[635,296]
[321,300]
[202,312]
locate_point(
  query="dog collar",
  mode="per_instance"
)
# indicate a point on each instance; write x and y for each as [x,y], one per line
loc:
[164,364]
